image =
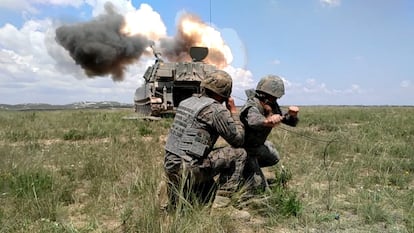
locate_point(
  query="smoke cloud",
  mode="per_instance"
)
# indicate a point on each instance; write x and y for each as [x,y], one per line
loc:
[99,47]
[176,49]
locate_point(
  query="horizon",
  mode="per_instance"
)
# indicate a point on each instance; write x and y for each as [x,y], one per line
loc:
[282,105]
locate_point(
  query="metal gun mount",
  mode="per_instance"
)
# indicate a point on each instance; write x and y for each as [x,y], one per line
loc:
[168,83]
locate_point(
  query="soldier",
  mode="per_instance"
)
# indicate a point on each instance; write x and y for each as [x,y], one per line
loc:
[191,163]
[259,115]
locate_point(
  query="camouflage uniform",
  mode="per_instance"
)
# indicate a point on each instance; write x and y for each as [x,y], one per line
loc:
[191,162]
[261,152]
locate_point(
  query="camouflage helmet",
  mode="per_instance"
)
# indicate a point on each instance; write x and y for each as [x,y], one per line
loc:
[219,82]
[271,85]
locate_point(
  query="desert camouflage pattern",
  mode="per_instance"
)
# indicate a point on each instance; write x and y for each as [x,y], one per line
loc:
[252,115]
[261,153]
[219,82]
[213,120]
[272,85]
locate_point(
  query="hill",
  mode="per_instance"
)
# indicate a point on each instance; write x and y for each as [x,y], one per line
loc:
[77,105]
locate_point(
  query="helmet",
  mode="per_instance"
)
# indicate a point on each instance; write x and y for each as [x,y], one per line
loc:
[219,82]
[271,85]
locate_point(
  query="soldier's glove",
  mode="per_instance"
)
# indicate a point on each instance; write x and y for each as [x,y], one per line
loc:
[293,111]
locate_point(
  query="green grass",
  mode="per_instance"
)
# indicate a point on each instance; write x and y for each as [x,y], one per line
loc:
[346,169]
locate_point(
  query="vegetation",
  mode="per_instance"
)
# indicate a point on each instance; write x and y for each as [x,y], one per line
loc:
[343,169]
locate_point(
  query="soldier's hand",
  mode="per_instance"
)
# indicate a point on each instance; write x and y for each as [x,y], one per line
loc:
[230,105]
[293,111]
[276,118]
[273,120]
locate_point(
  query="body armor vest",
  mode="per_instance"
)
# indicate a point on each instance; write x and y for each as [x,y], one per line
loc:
[189,137]
[253,138]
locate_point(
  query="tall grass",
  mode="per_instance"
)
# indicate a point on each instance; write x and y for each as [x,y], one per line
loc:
[345,169]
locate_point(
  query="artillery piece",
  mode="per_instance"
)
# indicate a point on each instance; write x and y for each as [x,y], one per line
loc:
[168,83]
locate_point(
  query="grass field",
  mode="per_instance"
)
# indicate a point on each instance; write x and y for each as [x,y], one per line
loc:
[346,169]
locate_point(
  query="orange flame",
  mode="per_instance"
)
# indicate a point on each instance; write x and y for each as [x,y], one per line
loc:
[204,35]
[191,31]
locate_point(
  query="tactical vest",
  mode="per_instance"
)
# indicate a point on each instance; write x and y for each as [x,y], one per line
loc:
[189,138]
[253,138]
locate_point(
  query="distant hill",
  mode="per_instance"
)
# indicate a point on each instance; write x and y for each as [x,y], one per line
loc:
[78,105]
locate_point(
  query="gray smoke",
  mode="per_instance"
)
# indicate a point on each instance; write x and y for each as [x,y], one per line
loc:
[99,47]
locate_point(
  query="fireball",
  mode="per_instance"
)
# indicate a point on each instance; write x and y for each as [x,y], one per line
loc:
[206,36]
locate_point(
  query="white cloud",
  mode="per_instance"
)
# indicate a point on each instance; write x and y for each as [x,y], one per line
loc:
[311,92]
[59,2]
[121,7]
[275,62]
[34,68]
[406,84]
[30,5]
[314,92]
[242,79]
[312,86]
[75,3]
[354,89]
[17,5]
[24,49]
[330,3]
[154,27]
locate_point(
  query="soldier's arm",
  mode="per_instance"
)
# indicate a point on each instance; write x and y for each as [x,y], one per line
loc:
[224,123]
[257,121]
[291,117]
[288,119]
[229,127]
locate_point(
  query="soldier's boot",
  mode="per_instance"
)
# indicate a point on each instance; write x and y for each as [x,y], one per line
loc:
[228,188]
[270,176]
[252,192]
[255,184]
[228,185]
[255,177]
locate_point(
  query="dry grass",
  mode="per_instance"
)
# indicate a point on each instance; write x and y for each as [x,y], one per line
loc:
[350,169]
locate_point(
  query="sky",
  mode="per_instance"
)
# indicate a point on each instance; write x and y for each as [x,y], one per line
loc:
[328,52]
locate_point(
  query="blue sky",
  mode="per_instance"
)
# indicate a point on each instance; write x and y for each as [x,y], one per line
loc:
[329,52]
